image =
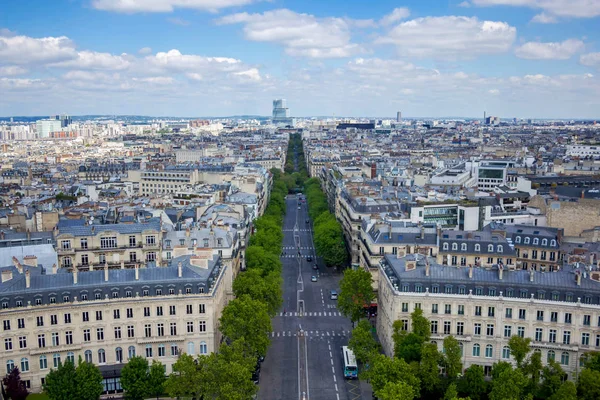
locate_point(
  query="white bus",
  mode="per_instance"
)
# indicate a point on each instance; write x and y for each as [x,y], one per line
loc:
[349,361]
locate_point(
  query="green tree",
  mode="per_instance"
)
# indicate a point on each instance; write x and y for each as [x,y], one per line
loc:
[134,378]
[451,392]
[588,384]
[265,262]
[552,379]
[566,391]
[60,383]
[472,383]
[533,370]
[507,383]
[356,292]
[89,381]
[266,289]
[249,319]
[384,370]
[268,234]
[519,348]
[592,361]
[224,379]
[185,380]
[408,345]
[396,391]
[362,342]
[420,325]
[156,379]
[452,357]
[429,368]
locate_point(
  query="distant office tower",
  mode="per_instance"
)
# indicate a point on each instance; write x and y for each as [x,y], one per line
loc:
[46,126]
[65,120]
[281,114]
[398,116]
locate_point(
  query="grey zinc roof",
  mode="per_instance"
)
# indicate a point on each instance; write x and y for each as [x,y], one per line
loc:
[483,238]
[92,230]
[562,282]
[90,282]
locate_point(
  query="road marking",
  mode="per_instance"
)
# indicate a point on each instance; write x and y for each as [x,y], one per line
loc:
[333,370]
[331,359]
[330,355]
[334,379]
[329,348]
[272,334]
[277,334]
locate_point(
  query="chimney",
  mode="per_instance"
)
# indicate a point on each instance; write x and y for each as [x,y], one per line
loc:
[137,272]
[105,272]
[122,264]
[422,232]
[179,269]
[27,279]
[17,264]
[187,232]
[578,277]
[91,267]
[31,261]
[470,271]
[583,194]
[500,271]
[6,276]
[426,266]
[531,274]
[54,269]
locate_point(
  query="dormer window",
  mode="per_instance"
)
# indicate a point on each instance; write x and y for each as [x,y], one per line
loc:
[454,246]
[553,243]
[518,239]
[526,240]
[205,242]
[490,248]
[168,243]
[536,241]
[500,248]
[445,246]
[463,247]
[544,242]
[477,247]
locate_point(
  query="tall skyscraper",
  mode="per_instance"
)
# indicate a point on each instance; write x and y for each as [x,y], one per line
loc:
[398,116]
[281,114]
[65,120]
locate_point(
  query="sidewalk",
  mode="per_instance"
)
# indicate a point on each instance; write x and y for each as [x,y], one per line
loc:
[365,390]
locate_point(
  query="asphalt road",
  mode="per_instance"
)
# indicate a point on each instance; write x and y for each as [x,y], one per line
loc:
[304,360]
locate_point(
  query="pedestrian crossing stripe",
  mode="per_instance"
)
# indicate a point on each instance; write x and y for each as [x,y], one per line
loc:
[313,314]
[310,333]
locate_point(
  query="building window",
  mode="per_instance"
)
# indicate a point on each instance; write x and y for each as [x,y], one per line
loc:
[55,340]
[39,320]
[161,350]
[551,355]
[527,240]
[461,309]
[22,342]
[148,351]
[478,311]
[84,259]
[190,327]
[109,242]
[10,365]
[564,358]
[21,323]
[538,334]
[566,337]
[460,328]
[173,328]
[190,348]
[132,241]
[117,332]
[445,246]
[434,327]
[202,326]
[476,350]
[41,341]
[160,328]
[552,336]
[67,318]
[203,348]
[507,331]
[522,313]
[491,311]
[119,355]
[150,256]
[131,352]
[540,315]
[101,356]
[24,365]
[490,330]
[147,330]
[585,339]
[98,315]
[100,333]
[568,318]
[65,244]
[489,350]
[554,316]
[71,357]
[174,349]
[447,309]
[43,362]
[8,344]
[477,329]
[506,352]
[86,335]
[521,331]
[150,240]
[84,243]
[159,310]
[171,310]
[202,309]
[56,360]
[132,256]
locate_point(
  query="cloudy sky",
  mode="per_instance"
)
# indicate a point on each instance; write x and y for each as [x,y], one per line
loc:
[511,58]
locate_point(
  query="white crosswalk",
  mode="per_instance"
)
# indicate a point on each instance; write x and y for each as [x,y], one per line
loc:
[295,255]
[312,314]
[310,333]
[293,230]
[296,248]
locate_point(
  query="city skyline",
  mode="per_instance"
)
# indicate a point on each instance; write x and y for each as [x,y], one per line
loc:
[523,59]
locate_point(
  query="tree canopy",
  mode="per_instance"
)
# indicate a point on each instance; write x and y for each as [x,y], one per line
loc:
[356,292]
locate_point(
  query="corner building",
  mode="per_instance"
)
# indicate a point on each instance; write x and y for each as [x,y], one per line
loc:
[108,316]
[483,307]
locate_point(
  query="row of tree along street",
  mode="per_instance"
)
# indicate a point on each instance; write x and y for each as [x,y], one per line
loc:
[419,371]
[244,324]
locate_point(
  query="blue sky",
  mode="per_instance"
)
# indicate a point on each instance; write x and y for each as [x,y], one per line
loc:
[512,58]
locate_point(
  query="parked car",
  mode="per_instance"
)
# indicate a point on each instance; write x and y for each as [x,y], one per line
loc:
[333,295]
[313,278]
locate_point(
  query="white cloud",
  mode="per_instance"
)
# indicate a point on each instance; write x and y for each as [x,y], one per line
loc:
[397,15]
[300,34]
[174,61]
[544,18]
[157,80]
[89,76]
[178,21]
[590,59]
[98,61]
[549,51]
[464,4]
[450,37]
[145,51]
[560,8]
[26,50]
[251,74]
[12,70]
[494,92]
[21,84]
[194,76]
[158,6]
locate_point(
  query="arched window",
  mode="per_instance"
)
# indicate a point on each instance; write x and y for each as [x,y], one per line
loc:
[537,351]
[24,364]
[476,350]
[506,352]
[544,242]
[101,356]
[489,350]
[190,348]
[119,355]
[526,240]
[43,362]
[445,246]
[454,246]
[462,350]
[553,243]
[551,356]
[490,248]
[518,239]
[564,358]
[10,365]
[88,356]
[477,247]
[582,360]
[203,348]
[71,357]
[131,352]
[463,247]
[500,248]
[536,241]
[56,360]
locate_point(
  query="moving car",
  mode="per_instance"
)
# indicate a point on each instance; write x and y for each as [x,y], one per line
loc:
[299,207]
[309,258]
[307,221]
[313,278]
[315,266]
[333,295]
